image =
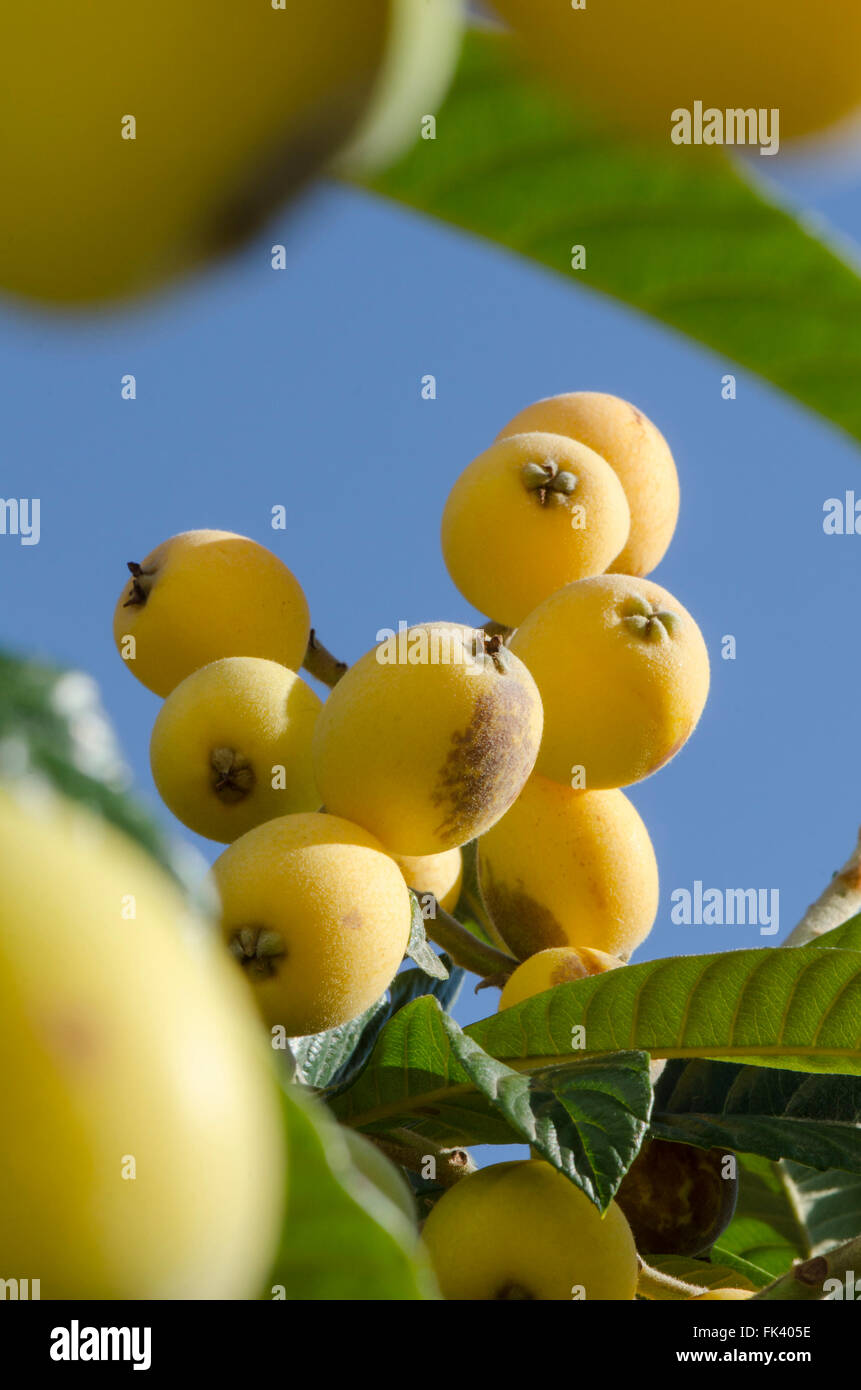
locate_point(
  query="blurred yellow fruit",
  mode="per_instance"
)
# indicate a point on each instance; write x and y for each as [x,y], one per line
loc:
[204,595]
[421,55]
[638,63]
[623,673]
[439,874]
[234,106]
[429,738]
[317,914]
[531,514]
[560,965]
[569,868]
[638,454]
[521,1230]
[231,747]
[135,1092]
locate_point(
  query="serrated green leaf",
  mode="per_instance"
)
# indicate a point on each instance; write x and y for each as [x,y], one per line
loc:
[799,1010]
[418,947]
[814,1120]
[687,236]
[334,1059]
[341,1240]
[586,1117]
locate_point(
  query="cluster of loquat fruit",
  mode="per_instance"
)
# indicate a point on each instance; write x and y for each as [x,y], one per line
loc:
[518,735]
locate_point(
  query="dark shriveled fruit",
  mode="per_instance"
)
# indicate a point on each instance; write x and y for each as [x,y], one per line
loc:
[676,1198]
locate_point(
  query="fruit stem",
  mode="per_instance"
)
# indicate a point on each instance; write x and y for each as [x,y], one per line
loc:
[321,664]
[840,901]
[498,630]
[466,949]
[412,1151]
[805,1280]
[654,1285]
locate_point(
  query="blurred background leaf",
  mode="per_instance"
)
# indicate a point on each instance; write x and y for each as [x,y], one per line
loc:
[687,235]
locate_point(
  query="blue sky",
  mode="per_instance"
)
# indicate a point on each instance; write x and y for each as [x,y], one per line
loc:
[302,388]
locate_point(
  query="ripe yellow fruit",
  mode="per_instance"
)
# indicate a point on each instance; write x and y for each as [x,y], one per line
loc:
[234,107]
[568,868]
[429,738]
[638,63]
[421,54]
[531,514]
[136,1095]
[721,1295]
[231,747]
[623,673]
[638,454]
[440,874]
[560,965]
[317,914]
[204,595]
[521,1230]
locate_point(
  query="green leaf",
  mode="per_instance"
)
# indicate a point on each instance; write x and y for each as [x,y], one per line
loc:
[798,1009]
[341,1239]
[470,910]
[586,1117]
[703,1273]
[418,948]
[847,937]
[334,1059]
[53,729]
[787,1212]
[814,1120]
[685,235]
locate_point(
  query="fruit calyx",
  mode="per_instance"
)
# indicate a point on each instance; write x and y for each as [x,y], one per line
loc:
[493,647]
[514,1293]
[651,623]
[232,775]
[142,582]
[258,951]
[546,481]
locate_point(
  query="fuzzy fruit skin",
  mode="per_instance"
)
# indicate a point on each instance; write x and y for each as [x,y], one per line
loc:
[722,1296]
[638,454]
[639,63]
[385,1177]
[421,55]
[675,1198]
[522,1230]
[569,868]
[259,711]
[507,546]
[338,906]
[618,701]
[559,965]
[428,755]
[211,594]
[125,1037]
[236,105]
[440,874]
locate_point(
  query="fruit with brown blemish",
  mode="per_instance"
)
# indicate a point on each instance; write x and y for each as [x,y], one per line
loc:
[231,747]
[137,1094]
[429,738]
[204,595]
[677,1199]
[437,874]
[623,673]
[639,456]
[567,868]
[558,965]
[522,1231]
[236,106]
[531,514]
[316,915]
